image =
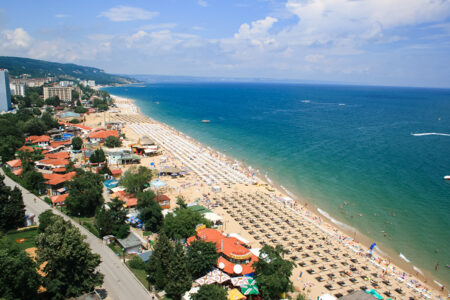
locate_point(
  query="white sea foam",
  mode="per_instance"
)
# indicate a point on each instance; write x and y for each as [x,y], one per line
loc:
[418,270]
[378,250]
[306,101]
[340,224]
[268,179]
[287,191]
[404,258]
[438,283]
[430,133]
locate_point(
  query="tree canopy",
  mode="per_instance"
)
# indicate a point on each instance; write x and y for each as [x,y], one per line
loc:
[201,258]
[159,261]
[45,219]
[77,143]
[85,194]
[273,272]
[112,142]
[18,278]
[149,211]
[182,223]
[12,209]
[179,280]
[112,220]
[98,156]
[70,265]
[135,179]
[210,291]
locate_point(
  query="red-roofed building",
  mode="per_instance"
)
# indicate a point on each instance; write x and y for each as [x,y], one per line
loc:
[51,163]
[15,166]
[42,140]
[59,200]
[66,144]
[235,258]
[55,182]
[163,201]
[100,135]
[26,149]
[58,155]
[129,199]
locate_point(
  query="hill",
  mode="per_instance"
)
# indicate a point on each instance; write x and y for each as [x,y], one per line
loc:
[40,68]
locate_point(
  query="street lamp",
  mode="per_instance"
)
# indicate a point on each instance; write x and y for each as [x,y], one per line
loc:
[123,254]
[79,220]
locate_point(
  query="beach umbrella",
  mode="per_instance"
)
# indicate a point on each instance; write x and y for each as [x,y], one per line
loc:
[251,288]
[240,281]
[374,293]
[372,246]
[234,294]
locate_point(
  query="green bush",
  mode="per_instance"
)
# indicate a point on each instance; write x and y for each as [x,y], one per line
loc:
[89,226]
[136,263]
[48,201]
[124,231]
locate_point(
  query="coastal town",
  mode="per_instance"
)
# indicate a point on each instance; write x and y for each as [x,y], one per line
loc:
[189,222]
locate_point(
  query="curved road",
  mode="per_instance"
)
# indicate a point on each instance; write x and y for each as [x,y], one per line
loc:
[119,281]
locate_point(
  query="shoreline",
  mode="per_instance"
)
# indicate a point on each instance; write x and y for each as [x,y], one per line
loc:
[316,216]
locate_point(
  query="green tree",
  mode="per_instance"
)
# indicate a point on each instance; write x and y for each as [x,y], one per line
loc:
[18,278]
[45,219]
[54,101]
[201,258]
[71,266]
[85,194]
[32,180]
[181,203]
[158,263]
[135,179]
[112,220]
[273,272]
[80,110]
[35,126]
[77,143]
[98,156]
[210,291]
[12,209]
[49,121]
[149,211]
[104,170]
[179,280]
[183,224]
[112,142]
[36,111]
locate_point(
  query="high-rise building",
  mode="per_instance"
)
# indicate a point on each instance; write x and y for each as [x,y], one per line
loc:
[63,93]
[17,89]
[5,93]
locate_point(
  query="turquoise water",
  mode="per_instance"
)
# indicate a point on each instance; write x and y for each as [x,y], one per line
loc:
[330,145]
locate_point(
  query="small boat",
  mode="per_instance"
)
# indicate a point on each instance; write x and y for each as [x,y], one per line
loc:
[206,121]
[447,177]
[156,102]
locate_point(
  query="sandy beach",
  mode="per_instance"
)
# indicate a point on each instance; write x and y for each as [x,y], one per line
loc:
[328,259]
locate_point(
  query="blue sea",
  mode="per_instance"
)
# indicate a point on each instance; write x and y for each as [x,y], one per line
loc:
[348,150]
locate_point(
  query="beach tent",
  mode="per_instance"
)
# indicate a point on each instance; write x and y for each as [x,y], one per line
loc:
[327,297]
[240,281]
[188,294]
[234,294]
[251,288]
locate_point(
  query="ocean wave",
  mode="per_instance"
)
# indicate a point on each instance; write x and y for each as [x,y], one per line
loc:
[306,101]
[404,258]
[430,133]
[378,250]
[340,224]
[418,270]
[268,180]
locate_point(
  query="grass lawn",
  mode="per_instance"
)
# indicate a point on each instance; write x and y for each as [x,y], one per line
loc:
[140,274]
[27,234]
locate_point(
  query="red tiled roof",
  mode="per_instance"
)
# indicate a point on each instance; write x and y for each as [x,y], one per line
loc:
[131,202]
[58,155]
[15,163]
[102,133]
[229,246]
[26,148]
[37,139]
[54,162]
[129,199]
[59,198]
[161,198]
[55,179]
[18,172]
[60,143]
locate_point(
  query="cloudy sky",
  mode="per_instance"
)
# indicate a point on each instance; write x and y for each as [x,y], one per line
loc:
[384,42]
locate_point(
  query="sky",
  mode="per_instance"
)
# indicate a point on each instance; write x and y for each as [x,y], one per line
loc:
[376,42]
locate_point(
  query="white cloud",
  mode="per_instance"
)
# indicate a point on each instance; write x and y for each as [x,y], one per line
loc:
[127,13]
[60,16]
[17,38]
[202,3]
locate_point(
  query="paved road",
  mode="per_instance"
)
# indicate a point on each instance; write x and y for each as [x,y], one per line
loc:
[119,281]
